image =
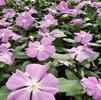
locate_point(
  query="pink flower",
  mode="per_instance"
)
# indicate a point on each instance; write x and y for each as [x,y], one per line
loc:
[77,1]
[81,53]
[81,5]
[48,20]
[18,1]
[34,84]
[8,13]
[32,11]
[74,12]
[2,2]
[92,85]
[96,4]
[83,37]
[6,34]
[77,21]
[62,7]
[24,20]
[41,49]
[46,33]
[3,22]
[5,54]
[99,15]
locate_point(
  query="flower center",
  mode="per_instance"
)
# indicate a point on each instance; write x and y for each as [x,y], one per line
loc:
[3,34]
[83,35]
[78,52]
[98,86]
[24,20]
[34,86]
[40,48]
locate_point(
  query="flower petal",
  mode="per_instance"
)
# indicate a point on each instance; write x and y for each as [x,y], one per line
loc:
[46,41]
[50,50]
[42,55]
[17,80]
[40,95]
[49,86]
[31,52]
[36,71]
[22,94]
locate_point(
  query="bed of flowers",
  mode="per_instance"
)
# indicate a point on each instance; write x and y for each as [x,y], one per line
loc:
[50,50]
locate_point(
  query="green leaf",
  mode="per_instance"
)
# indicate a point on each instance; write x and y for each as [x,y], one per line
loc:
[70,75]
[19,48]
[59,33]
[20,55]
[23,67]
[2,65]
[95,44]
[71,87]
[3,93]
[69,40]
[86,25]
[60,56]
[91,12]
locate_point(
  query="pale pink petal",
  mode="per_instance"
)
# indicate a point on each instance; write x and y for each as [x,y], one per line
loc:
[22,94]
[33,45]
[50,50]
[42,55]
[31,52]
[81,57]
[46,41]
[36,71]
[40,95]
[49,86]
[17,80]
[93,79]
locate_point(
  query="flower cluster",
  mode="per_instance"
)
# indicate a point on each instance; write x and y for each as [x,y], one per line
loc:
[39,38]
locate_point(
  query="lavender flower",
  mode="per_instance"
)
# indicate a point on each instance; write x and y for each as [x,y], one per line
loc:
[48,20]
[40,49]
[81,53]
[33,84]
[6,34]
[8,13]
[83,37]
[77,21]
[24,20]
[6,55]
[92,86]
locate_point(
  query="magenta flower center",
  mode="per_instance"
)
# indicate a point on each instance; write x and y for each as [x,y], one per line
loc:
[40,48]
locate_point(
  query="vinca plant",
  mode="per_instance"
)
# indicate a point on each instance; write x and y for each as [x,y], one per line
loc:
[50,50]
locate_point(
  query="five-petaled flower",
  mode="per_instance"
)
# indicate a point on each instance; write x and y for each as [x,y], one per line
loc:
[47,21]
[34,84]
[6,56]
[8,13]
[92,86]
[6,34]
[83,37]
[81,53]
[41,49]
[24,20]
